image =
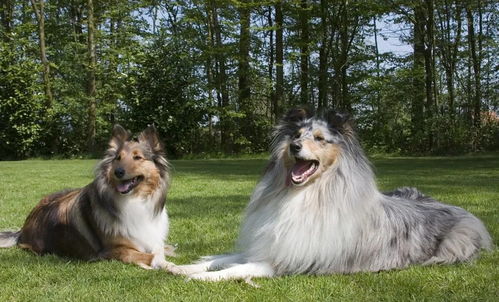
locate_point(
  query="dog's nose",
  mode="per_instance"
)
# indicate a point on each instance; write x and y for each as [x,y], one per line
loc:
[119,172]
[295,147]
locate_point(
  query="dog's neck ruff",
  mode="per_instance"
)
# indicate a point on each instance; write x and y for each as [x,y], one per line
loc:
[138,221]
[290,227]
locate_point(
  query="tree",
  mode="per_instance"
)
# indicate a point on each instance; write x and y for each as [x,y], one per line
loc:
[244,93]
[91,82]
[20,106]
[324,53]
[304,51]
[39,9]
[221,78]
[279,61]
[448,38]
[215,74]
[6,18]
[345,23]
[159,95]
[475,54]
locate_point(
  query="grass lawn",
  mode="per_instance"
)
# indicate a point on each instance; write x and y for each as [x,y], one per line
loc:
[205,204]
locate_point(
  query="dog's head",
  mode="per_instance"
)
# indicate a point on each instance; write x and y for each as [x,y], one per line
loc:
[312,144]
[136,166]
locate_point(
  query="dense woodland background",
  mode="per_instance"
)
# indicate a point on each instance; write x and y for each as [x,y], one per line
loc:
[215,75]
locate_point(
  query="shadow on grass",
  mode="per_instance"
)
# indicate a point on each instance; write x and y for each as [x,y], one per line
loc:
[17,255]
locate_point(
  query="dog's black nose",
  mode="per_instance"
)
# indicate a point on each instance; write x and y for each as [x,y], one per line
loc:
[119,172]
[295,147]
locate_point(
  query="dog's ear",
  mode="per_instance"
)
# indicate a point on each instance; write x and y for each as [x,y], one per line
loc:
[119,136]
[340,121]
[150,137]
[296,115]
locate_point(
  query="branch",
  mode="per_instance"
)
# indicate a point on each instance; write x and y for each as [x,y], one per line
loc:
[38,13]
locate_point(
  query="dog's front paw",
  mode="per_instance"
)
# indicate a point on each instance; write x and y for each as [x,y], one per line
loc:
[188,269]
[144,266]
[176,270]
[159,262]
[206,276]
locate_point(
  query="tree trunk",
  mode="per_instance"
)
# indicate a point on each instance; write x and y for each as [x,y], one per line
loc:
[323,56]
[244,93]
[429,81]
[272,97]
[418,83]
[279,57]
[91,85]
[304,41]
[347,32]
[449,21]
[376,48]
[225,138]
[76,15]
[47,83]
[475,60]
[6,14]
[243,66]
[377,108]
[210,71]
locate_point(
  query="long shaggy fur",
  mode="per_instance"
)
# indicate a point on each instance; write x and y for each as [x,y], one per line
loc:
[120,215]
[337,222]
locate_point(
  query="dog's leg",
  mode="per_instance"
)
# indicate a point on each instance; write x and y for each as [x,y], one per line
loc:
[129,255]
[238,271]
[208,263]
[159,261]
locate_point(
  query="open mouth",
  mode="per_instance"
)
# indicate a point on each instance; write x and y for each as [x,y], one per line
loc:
[302,170]
[127,185]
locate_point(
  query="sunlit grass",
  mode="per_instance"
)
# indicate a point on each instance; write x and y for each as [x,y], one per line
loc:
[205,204]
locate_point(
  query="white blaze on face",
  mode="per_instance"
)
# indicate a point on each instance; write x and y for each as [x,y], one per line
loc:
[316,153]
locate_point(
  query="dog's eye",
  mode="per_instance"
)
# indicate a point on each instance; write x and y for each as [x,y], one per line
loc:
[319,138]
[137,157]
[118,157]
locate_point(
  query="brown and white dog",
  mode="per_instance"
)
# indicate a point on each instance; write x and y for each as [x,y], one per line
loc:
[120,215]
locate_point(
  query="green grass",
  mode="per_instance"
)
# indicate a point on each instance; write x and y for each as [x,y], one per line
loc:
[205,204]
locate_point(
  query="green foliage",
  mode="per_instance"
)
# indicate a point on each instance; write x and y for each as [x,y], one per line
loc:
[21,110]
[177,64]
[159,93]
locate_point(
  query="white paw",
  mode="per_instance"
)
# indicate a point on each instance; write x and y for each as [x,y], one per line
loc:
[176,270]
[206,276]
[159,262]
[188,269]
[144,266]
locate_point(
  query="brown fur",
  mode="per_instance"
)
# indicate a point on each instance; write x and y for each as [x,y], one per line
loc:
[70,223]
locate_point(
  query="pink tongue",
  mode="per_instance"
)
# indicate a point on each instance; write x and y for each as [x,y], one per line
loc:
[301,167]
[123,187]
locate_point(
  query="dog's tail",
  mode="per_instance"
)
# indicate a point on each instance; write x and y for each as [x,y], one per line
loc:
[9,238]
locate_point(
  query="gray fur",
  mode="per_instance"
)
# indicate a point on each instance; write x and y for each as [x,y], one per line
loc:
[339,222]
[9,238]
[362,228]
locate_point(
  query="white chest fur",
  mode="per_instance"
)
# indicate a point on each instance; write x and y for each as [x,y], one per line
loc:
[139,223]
[298,230]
